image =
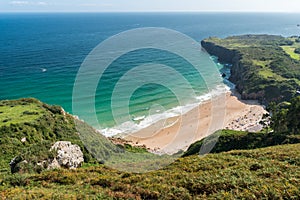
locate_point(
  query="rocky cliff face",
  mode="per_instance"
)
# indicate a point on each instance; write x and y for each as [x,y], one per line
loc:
[224,55]
[238,71]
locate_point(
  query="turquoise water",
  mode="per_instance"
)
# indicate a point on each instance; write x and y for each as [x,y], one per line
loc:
[41,54]
[146,95]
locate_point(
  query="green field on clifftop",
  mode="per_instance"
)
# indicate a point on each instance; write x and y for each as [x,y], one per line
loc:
[265,67]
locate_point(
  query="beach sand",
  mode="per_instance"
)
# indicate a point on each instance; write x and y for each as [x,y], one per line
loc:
[226,111]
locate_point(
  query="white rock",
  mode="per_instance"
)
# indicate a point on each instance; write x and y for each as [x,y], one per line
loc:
[54,164]
[23,139]
[68,155]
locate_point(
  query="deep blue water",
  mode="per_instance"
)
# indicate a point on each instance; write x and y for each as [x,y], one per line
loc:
[40,54]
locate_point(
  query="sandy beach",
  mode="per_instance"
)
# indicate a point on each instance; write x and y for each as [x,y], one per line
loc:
[226,111]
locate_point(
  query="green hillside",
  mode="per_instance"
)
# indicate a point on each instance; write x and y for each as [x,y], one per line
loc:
[269,173]
[237,140]
[265,67]
[28,129]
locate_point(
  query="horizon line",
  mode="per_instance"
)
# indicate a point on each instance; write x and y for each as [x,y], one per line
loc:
[166,11]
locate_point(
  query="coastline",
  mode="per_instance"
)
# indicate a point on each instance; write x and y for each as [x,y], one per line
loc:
[242,115]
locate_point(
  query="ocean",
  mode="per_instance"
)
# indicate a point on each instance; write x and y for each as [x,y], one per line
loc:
[40,55]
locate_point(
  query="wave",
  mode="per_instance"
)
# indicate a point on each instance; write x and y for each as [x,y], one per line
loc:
[139,118]
[140,122]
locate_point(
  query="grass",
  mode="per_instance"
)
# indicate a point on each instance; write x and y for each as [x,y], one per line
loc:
[267,173]
[234,140]
[290,50]
[266,71]
[14,114]
[265,63]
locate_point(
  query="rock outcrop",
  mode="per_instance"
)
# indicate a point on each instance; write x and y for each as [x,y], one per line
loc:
[68,155]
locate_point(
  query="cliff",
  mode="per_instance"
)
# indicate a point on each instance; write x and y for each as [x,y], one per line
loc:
[225,55]
[262,69]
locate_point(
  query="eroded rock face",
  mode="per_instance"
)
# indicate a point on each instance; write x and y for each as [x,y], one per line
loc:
[68,155]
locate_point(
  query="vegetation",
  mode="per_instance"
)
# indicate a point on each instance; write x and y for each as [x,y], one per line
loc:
[285,117]
[269,173]
[33,127]
[237,140]
[266,67]
[272,172]
[297,50]
[28,128]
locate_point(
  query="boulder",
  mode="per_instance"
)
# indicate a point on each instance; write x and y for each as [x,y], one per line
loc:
[68,156]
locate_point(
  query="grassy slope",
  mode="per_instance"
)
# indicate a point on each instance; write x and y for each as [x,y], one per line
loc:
[262,173]
[39,123]
[10,114]
[269,64]
[42,125]
[237,140]
[290,49]
[268,173]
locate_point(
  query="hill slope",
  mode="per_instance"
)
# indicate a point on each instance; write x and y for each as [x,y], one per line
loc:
[272,172]
[265,67]
[28,128]
[269,173]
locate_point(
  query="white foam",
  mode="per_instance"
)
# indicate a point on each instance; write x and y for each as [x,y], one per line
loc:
[145,121]
[139,118]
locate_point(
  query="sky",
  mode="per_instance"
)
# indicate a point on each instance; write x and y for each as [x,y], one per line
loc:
[149,5]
